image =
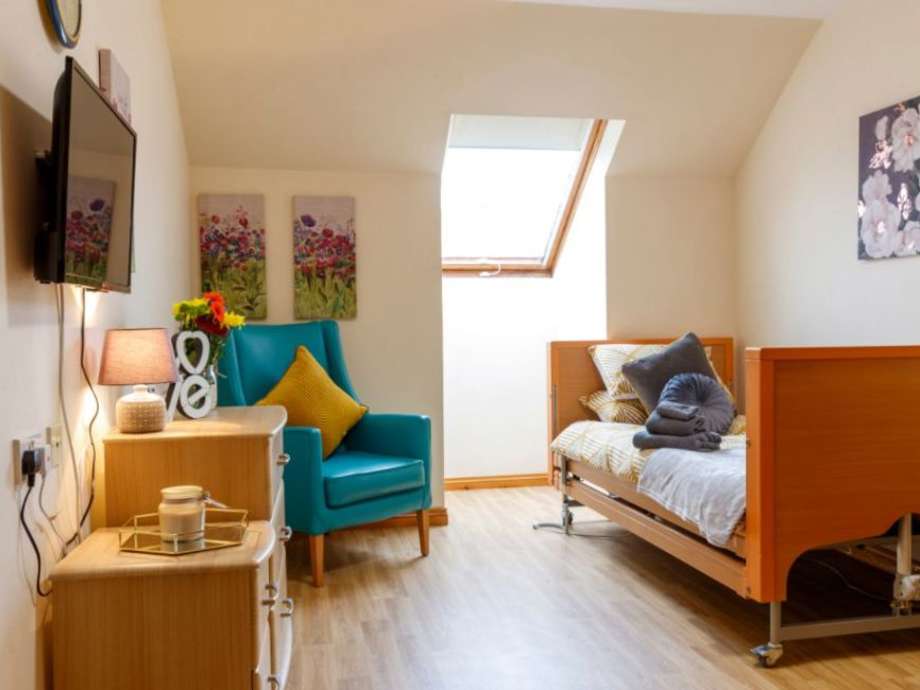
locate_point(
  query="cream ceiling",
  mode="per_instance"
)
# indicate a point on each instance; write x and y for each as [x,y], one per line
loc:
[370,84]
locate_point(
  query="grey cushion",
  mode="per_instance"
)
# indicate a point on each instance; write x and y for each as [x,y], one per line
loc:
[716,407]
[649,375]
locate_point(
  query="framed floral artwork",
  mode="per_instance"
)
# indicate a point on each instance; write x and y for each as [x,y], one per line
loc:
[888,209]
[324,258]
[90,204]
[231,241]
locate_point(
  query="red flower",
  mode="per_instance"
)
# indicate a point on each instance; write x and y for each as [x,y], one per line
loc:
[327,232]
[208,325]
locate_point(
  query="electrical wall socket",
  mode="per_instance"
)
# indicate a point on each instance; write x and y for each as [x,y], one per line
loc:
[21,445]
[55,438]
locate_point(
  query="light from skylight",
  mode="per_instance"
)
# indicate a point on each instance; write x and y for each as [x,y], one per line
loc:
[503,203]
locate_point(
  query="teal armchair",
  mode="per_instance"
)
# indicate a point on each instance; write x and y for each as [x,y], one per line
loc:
[381,469]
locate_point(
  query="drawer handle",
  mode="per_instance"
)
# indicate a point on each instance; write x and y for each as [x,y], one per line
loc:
[288,608]
[285,534]
[272,597]
[284,459]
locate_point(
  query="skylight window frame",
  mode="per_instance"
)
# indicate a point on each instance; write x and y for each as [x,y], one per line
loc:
[490,267]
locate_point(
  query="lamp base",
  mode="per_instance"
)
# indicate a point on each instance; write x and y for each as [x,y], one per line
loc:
[140,412]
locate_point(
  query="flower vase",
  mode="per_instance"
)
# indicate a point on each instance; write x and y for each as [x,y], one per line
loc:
[210,375]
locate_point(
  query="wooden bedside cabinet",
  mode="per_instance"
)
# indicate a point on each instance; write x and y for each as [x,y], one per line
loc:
[149,622]
[235,453]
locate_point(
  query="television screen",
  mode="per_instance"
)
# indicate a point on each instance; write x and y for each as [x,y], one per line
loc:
[90,231]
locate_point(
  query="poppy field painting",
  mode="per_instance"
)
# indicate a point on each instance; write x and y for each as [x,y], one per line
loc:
[88,229]
[324,258]
[231,240]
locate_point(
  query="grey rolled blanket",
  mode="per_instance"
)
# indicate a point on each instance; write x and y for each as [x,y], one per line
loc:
[702,441]
[658,423]
[676,410]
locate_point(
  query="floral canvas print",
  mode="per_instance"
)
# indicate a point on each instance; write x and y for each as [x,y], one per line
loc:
[324,258]
[88,229]
[231,236]
[888,209]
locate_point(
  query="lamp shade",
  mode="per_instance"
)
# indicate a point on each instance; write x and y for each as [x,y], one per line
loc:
[136,356]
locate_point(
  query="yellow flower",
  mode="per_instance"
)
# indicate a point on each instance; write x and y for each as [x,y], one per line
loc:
[233,320]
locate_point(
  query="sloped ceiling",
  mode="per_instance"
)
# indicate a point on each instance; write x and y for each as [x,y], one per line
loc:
[816,9]
[370,85]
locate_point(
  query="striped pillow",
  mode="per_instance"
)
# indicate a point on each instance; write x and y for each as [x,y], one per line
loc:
[609,360]
[607,409]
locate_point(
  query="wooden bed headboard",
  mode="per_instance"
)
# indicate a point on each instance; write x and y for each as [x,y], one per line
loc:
[572,374]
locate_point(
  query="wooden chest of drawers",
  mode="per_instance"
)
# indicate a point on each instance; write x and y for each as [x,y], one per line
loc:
[145,622]
[237,454]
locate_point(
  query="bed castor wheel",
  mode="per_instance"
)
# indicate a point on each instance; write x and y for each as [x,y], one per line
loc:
[767,654]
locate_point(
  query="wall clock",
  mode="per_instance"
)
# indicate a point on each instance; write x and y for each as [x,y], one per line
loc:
[66,16]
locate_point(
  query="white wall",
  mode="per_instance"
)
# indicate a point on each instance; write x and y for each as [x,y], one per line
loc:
[670,256]
[30,63]
[393,347]
[801,283]
[495,335]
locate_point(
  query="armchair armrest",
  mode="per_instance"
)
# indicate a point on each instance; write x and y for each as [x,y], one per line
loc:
[406,435]
[303,478]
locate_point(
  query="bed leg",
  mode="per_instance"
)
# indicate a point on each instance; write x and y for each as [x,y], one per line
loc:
[567,516]
[906,584]
[768,654]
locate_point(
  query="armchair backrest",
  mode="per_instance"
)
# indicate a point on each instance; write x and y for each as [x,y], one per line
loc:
[256,357]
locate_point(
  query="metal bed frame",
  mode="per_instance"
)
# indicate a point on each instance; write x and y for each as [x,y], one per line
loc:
[905,591]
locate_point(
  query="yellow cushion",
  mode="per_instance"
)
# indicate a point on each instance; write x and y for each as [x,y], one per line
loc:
[311,398]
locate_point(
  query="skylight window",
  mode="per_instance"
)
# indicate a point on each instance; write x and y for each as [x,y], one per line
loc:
[509,189]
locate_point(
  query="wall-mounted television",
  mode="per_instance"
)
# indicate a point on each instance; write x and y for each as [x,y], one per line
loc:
[87,182]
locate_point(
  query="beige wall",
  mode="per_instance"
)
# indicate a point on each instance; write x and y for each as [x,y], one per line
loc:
[670,256]
[495,335]
[801,283]
[393,347]
[30,64]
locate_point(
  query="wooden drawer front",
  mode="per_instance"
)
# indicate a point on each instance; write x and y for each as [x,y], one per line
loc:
[261,676]
[278,459]
[264,601]
[282,618]
[282,531]
[233,469]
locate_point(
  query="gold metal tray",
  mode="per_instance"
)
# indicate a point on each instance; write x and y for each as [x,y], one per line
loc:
[223,527]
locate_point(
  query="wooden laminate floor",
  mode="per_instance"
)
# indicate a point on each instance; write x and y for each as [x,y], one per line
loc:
[500,606]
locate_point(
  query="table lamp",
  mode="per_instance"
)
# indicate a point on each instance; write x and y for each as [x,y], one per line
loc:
[138,357]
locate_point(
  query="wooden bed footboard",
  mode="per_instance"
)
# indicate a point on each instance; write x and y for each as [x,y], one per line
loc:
[833,452]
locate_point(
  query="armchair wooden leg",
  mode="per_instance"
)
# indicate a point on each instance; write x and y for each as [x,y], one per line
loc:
[317,542]
[421,517]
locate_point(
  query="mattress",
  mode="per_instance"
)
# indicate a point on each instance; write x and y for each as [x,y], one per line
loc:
[671,479]
[608,446]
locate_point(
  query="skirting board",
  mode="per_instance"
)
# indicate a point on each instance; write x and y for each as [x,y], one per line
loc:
[502,481]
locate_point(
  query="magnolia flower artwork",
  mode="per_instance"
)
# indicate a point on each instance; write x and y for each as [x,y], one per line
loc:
[888,209]
[231,241]
[324,258]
